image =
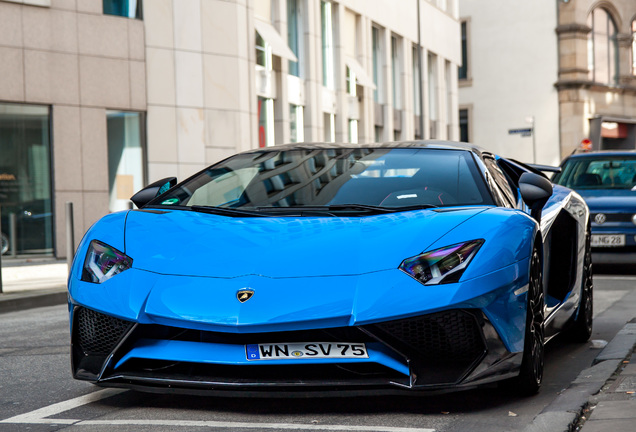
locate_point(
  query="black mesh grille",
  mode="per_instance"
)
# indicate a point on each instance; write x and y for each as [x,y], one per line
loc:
[453,334]
[442,346]
[98,333]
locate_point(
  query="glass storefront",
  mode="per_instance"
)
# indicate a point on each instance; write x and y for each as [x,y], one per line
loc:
[125,157]
[25,180]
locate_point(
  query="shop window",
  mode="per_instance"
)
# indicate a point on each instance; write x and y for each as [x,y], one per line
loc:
[125,157]
[25,180]
[123,8]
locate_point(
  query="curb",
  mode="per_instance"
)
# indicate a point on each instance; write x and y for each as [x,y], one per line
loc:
[567,408]
[13,302]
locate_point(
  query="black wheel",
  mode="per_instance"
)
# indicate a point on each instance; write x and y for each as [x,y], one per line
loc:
[531,374]
[4,244]
[581,330]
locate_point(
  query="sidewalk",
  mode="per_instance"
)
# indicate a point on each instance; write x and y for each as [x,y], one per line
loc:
[614,407]
[29,283]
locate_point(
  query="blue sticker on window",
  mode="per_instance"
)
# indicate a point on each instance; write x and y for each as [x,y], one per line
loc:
[170,201]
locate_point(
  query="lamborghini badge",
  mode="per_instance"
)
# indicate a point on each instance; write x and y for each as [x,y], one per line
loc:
[244,295]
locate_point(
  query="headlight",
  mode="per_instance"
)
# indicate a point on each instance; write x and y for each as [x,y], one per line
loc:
[440,266]
[103,262]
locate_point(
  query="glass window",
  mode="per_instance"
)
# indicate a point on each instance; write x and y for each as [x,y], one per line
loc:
[463,125]
[399,177]
[296,123]
[416,81]
[329,123]
[463,69]
[602,48]
[125,157]
[328,79]
[25,179]
[263,53]
[432,95]
[396,73]
[265,122]
[294,35]
[634,47]
[124,8]
[598,173]
[378,93]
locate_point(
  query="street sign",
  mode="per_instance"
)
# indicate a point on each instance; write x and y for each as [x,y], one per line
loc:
[525,132]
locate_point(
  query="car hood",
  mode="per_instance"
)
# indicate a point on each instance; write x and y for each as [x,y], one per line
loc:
[608,200]
[188,243]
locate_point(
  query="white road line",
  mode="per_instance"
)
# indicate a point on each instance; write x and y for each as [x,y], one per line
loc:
[39,416]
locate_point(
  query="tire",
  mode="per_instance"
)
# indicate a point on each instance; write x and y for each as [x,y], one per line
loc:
[531,374]
[581,330]
[4,244]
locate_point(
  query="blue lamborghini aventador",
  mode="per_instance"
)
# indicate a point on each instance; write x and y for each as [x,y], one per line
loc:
[334,269]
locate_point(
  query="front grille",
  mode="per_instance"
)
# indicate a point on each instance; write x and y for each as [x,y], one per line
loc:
[613,217]
[98,333]
[442,347]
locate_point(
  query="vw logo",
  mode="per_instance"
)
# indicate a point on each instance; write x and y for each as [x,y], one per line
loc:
[600,218]
[244,294]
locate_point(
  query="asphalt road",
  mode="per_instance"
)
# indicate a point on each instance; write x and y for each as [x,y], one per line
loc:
[35,384]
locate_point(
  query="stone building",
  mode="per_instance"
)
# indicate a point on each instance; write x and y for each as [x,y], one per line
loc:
[539,78]
[99,97]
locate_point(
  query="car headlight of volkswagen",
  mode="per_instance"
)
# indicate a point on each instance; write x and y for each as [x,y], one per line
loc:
[443,265]
[102,262]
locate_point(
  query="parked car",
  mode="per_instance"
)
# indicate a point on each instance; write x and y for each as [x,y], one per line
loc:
[397,267]
[607,182]
[34,227]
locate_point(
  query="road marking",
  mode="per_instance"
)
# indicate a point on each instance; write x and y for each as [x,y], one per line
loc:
[39,416]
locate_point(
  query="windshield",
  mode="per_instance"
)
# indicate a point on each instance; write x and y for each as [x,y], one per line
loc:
[391,178]
[606,172]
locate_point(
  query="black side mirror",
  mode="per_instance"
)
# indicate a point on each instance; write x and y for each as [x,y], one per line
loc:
[535,191]
[153,190]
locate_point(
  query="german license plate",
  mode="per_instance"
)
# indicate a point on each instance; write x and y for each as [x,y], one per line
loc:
[608,240]
[309,350]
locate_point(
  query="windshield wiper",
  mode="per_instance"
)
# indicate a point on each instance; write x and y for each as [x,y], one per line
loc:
[343,208]
[226,211]
[380,209]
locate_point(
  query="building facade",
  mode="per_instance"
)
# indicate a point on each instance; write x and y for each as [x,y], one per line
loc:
[541,78]
[100,97]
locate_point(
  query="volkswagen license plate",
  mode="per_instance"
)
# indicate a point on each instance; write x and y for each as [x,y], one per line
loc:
[281,351]
[608,240]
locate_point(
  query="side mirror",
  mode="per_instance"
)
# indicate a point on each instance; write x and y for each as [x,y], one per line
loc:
[535,191]
[153,190]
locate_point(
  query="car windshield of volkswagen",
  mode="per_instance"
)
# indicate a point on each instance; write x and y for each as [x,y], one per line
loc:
[607,182]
